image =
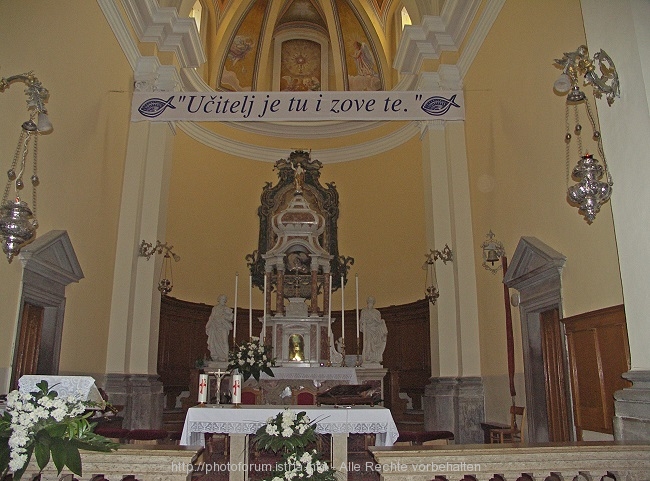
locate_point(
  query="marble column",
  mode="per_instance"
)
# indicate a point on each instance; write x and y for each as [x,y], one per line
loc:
[627,153]
[454,400]
[131,359]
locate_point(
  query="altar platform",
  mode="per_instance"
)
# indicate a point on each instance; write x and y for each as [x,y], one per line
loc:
[287,382]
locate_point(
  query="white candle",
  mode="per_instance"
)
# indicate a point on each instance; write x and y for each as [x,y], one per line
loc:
[329,312]
[203,388]
[263,336]
[234,316]
[250,306]
[356,279]
[236,388]
[342,310]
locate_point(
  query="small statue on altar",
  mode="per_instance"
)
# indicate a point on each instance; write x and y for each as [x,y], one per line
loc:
[218,328]
[374,333]
[298,177]
[296,348]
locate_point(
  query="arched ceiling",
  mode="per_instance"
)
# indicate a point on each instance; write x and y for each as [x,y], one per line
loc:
[433,54]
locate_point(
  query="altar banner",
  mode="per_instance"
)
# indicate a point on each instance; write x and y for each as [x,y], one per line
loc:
[297,106]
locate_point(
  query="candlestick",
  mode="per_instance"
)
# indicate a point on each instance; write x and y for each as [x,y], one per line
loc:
[203,388]
[342,310]
[236,389]
[263,336]
[250,306]
[234,316]
[356,279]
[329,324]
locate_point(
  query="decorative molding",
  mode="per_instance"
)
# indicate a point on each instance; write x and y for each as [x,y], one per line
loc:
[483,26]
[169,32]
[52,257]
[150,76]
[179,35]
[120,30]
[326,156]
[458,15]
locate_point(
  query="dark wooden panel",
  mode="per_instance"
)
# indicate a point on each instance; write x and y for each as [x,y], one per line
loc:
[598,355]
[182,340]
[554,377]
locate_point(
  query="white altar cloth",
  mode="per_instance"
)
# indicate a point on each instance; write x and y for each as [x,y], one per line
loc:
[346,375]
[223,418]
[82,386]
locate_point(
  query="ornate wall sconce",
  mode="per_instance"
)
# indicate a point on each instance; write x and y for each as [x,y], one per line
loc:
[166,279]
[18,222]
[589,193]
[493,251]
[431,291]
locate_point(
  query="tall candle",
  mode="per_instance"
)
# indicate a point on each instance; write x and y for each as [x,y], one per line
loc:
[236,388]
[356,279]
[329,312]
[263,336]
[234,316]
[250,306]
[203,388]
[342,310]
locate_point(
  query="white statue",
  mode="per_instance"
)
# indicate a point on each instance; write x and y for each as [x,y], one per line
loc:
[218,328]
[374,333]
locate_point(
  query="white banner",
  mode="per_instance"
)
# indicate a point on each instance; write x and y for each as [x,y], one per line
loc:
[297,106]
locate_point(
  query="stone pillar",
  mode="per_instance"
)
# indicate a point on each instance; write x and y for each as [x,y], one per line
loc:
[131,359]
[455,351]
[628,46]
[455,404]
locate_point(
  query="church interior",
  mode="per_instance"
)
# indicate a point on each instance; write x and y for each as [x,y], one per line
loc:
[496,289]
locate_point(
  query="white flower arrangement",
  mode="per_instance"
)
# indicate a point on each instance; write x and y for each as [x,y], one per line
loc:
[251,358]
[43,424]
[291,433]
[287,431]
[304,465]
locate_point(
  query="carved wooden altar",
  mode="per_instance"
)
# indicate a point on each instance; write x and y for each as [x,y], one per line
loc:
[297,263]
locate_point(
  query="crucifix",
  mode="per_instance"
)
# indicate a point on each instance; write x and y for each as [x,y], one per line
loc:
[218,374]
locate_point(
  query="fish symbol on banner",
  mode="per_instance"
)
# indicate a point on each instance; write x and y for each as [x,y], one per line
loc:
[439,105]
[154,107]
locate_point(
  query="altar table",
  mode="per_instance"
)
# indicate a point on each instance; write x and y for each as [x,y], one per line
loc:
[245,420]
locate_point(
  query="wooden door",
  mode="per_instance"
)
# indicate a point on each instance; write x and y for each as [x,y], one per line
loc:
[554,376]
[598,356]
[29,342]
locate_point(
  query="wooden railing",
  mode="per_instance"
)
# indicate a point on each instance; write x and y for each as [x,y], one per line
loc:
[608,461]
[129,463]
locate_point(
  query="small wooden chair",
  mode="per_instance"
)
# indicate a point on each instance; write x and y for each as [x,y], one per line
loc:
[511,434]
[251,396]
[304,397]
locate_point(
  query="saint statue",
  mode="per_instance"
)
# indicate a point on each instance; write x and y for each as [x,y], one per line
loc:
[218,327]
[298,177]
[374,333]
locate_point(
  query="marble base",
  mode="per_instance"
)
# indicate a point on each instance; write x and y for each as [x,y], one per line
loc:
[632,408]
[455,404]
[142,398]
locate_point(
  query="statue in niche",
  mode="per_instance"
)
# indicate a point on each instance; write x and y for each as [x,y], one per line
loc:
[374,333]
[298,177]
[218,328]
[296,348]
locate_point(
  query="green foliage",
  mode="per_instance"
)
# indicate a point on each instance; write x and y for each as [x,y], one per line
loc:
[50,428]
[290,433]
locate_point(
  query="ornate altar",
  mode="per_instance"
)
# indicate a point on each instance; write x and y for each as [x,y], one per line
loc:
[297,263]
